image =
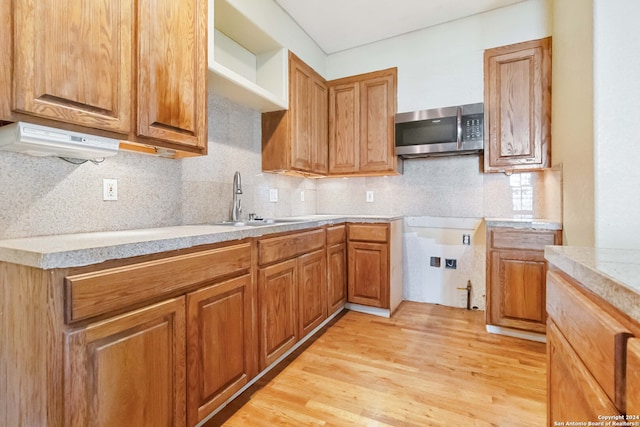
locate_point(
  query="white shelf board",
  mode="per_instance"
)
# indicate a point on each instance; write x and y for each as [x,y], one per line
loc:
[232,85]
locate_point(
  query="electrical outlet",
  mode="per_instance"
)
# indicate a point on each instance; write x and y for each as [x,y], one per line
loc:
[450,263]
[109,189]
[302,196]
[273,195]
[369,196]
[466,239]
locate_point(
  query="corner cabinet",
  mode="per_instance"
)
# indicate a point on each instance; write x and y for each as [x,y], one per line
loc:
[146,83]
[517,97]
[361,124]
[295,140]
[516,278]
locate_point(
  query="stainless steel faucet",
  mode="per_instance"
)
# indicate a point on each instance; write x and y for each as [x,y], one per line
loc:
[237,189]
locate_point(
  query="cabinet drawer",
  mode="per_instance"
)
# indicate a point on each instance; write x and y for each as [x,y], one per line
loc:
[521,239]
[368,232]
[104,291]
[337,234]
[597,338]
[284,247]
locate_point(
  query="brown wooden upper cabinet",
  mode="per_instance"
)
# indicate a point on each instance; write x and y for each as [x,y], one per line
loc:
[361,124]
[295,140]
[342,127]
[134,69]
[517,96]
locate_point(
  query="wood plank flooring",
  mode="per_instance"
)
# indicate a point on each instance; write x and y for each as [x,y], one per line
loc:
[428,365]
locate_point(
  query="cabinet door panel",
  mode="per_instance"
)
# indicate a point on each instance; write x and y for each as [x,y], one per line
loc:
[72,61]
[278,300]
[368,274]
[300,109]
[574,394]
[129,370]
[172,71]
[377,129]
[220,348]
[312,284]
[518,290]
[336,276]
[518,106]
[320,126]
[633,377]
[344,128]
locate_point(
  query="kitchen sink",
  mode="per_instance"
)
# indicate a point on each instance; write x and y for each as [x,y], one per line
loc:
[257,222]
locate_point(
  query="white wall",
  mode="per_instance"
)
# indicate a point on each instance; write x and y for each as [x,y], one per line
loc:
[443,65]
[572,116]
[617,150]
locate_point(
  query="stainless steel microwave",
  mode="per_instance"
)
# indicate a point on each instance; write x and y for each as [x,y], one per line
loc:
[440,131]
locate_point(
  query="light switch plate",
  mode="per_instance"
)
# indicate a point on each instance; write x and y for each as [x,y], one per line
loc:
[302,196]
[369,196]
[273,195]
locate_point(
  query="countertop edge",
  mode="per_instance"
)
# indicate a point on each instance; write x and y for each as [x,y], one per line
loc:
[614,291]
[16,251]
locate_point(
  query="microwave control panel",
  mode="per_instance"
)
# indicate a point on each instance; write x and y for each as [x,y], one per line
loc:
[472,127]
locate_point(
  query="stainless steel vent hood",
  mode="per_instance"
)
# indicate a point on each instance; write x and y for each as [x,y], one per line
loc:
[37,140]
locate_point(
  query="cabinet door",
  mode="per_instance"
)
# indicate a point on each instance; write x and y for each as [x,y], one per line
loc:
[278,302]
[633,377]
[336,276]
[129,370]
[517,290]
[172,71]
[312,285]
[377,126]
[220,344]
[320,126]
[344,128]
[72,61]
[369,274]
[300,106]
[518,106]
[573,394]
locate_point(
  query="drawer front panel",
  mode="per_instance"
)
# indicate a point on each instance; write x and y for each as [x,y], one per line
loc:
[597,338]
[289,246]
[368,232]
[337,234]
[521,239]
[93,294]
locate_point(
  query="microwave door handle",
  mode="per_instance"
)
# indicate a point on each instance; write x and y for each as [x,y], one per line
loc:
[459,129]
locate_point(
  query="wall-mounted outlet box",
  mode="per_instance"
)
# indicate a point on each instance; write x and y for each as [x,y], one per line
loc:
[109,189]
[450,263]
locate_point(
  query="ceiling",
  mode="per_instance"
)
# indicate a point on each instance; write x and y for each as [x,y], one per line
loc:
[337,25]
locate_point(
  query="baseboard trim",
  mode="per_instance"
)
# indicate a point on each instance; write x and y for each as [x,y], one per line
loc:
[531,336]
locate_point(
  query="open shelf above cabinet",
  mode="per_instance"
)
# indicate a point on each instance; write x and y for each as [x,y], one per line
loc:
[246,64]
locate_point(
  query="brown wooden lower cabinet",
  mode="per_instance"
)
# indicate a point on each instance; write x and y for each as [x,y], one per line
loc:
[593,361]
[160,340]
[368,274]
[128,370]
[336,276]
[516,277]
[220,344]
[312,289]
[278,302]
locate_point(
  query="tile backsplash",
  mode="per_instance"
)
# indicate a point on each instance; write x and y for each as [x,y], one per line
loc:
[42,196]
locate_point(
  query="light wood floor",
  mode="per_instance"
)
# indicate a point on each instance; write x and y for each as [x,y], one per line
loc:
[426,366]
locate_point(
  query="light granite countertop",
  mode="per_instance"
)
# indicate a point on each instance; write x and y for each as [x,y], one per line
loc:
[75,250]
[612,274]
[531,223]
